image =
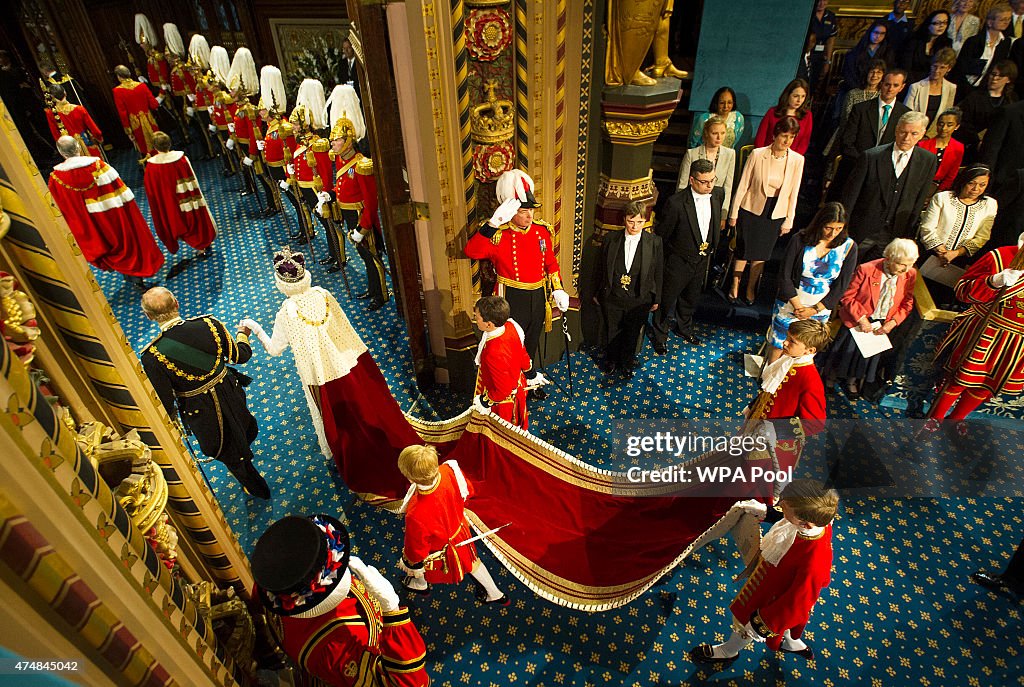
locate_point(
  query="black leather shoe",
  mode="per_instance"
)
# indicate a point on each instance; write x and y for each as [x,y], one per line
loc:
[363,296]
[326,261]
[807,652]
[537,394]
[333,268]
[691,339]
[704,653]
[989,580]
[374,305]
[481,598]
[301,240]
[412,590]
[749,302]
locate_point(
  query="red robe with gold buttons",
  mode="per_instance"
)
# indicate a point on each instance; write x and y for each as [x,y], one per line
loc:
[356,190]
[780,597]
[435,522]
[135,103]
[503,360]
[996,361]
[800,399]
[183,82]
[355,644]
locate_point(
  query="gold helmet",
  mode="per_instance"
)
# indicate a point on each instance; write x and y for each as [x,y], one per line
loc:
[343,128]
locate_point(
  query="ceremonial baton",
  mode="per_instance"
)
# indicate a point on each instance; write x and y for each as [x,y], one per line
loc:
[568,353]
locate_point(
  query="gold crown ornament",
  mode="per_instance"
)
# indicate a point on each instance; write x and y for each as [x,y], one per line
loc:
[289,266]
[492,121]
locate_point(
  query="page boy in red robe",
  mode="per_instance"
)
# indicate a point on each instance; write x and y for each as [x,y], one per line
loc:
[790,568]
[340,620]
[793,395]
[503,362]
[101,212]
[175,200]
[436,525]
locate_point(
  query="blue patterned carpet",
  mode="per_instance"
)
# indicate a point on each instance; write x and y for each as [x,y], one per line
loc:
[900,610]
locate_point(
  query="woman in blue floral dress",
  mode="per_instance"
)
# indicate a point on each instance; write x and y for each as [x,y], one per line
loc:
[815,272]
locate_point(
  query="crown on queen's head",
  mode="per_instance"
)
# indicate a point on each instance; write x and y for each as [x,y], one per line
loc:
[289,266]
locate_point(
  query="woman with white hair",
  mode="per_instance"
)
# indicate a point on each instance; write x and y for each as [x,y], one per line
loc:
[341,381]
[879,298]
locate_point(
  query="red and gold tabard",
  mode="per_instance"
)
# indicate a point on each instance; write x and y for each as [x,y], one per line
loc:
[780,597]
[157,70]
[501,378]
[996,360]
[135,103]
[279,135]
[355,644]
[75,121]
[517,256]
[435,523]
[318,157]
[355,188]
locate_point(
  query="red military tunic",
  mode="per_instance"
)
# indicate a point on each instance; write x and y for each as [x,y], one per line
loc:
[356,644]
[503,360]
[176,202]
[103,217]
[318,157]
[355,188]
[517,257]
[134,103]
[204,94]
[780,597]
[76,122]
[279,136]
[223,111]
[435,523]
[303,171]
[247,123]
[183,83]
[996,362]
[157,70]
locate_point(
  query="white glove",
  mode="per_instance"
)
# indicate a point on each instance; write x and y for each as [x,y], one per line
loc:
[229,144]
[247,161]
[1006,278]
[261,144]
[504,212]
[160,99]
[143,79]
[561,299]
[750,506]
[479,407]
[290,169]
[356,236]
[536,381]
[257,330]
[283,184]
[379,588]
[191,97]
[324,196]
[212,128]
[231,127]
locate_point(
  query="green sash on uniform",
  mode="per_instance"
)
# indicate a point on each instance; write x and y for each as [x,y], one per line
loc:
[179,352]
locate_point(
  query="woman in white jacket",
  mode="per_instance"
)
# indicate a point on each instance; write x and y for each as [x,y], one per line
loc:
[934,94]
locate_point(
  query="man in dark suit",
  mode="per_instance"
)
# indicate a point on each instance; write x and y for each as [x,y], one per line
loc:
[887,190]
[188,367]
[349,66]
[1003,147]
[690,229]
[630,287]
[870,123]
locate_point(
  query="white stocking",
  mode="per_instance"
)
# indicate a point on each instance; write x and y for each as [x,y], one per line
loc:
[480,574]
[790,644]
[731,647]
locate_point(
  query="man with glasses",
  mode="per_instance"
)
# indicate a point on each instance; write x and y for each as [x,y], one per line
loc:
[690,230]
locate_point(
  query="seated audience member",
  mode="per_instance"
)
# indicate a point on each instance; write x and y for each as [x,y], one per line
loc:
[948,150]
[981,107]
[958,223]
[878,300]
[764,206]
[868,91]
[983,50]
[928,39]
[888,187]
[872,45]
[723,104]
[871,123]
[791,567]
[690,228]
[794,102]
[630,287]
[962,23]
[934,94]
[713,149]
[815,272]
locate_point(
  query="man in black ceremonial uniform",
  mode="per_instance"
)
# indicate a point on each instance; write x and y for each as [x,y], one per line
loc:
[188,366]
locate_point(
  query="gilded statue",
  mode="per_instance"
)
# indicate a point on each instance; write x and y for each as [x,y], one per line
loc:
[634,27]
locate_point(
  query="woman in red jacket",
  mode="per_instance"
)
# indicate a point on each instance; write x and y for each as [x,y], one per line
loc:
[795,102]
[878,299]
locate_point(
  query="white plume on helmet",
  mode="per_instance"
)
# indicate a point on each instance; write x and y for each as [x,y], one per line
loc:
[144,29]
[220,63]
[516,184]
[272,93]
[311,96]
[199,51]
[172,38]
[242,74]
[344,101]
